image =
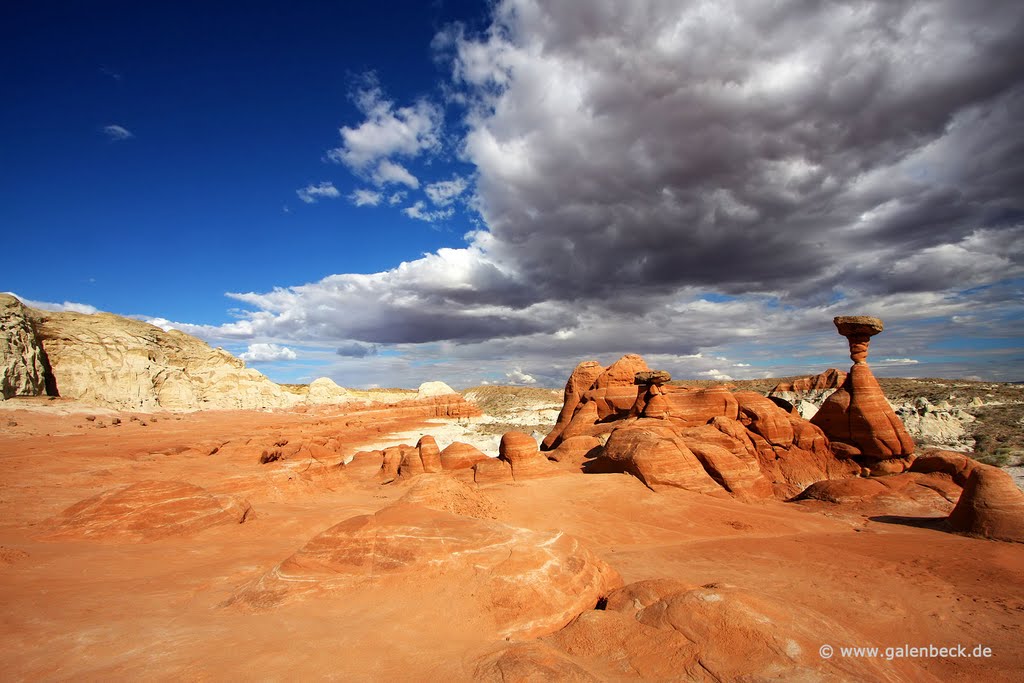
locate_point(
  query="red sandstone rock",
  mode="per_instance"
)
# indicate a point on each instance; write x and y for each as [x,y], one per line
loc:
[148,511]
[991,506]
[658,456]
[956,465]
[521,452]
[529,662]
[830,379]
[858,414]
[410,464]
[492,471]
[715,632]
[761,416]
[389,467]
[579,382]
[614,390]
[741,475]
[461,456]
[430,455]
[576,450]
[526,583]
[441,492]
[692,407]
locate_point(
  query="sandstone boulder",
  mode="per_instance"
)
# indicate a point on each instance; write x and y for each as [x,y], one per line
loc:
[658,456]
[579,382]
[991,506]
[516,582]
[520,451]
[22,362]
[461,456]
[148,511]
[430,454]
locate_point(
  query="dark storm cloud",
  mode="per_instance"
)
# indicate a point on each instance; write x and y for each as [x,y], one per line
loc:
[637,160]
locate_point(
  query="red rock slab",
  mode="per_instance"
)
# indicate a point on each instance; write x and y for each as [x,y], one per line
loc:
[147,511]
[520,451]
[525,583]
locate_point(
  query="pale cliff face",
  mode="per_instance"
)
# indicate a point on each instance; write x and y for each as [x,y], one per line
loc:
[124,363]
[22,367]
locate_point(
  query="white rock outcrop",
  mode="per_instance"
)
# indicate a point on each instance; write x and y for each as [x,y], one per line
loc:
[430,389]
[22,370]
[326,390]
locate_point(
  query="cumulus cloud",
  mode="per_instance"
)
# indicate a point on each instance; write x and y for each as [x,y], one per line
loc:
[391,173]
[311,194]
[517,376]
[365,198]
[66,306]
[420,212]
[265,353]
[388,130]
[397,198]
[117,133]
[445,192]
[677,177]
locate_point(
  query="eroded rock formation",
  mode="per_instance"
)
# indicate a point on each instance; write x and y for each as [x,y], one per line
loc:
[857,414]
[518,582]
[707,440]
[22,366]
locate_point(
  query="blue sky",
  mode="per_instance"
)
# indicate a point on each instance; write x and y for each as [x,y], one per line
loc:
[392,192]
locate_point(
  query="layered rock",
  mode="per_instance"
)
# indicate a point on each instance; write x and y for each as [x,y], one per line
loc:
[461,456]
[517,582]
[668,630]
[22,362]
[579,382]
[148,511]
[518,458]
[128,364]
[858,414]
[706,440]
[991,506]
[807,393]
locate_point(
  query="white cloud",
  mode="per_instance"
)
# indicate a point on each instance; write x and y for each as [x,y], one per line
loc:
[264,353]
[310,194]
[391,173]
[896,361]
[388,131]
[117,133]
[397,198]
[517,376]
[419,211]
[444,193]
[715,374]
[68,306]
[366,198]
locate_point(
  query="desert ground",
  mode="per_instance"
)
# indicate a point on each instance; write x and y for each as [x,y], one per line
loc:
[86,600]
